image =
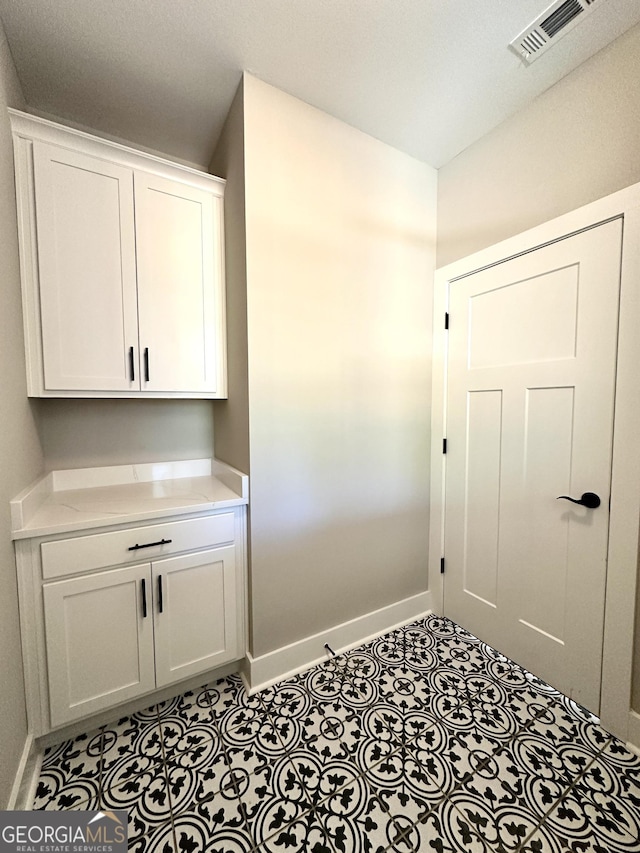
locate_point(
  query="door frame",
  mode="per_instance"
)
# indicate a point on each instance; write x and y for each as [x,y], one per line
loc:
[624,521]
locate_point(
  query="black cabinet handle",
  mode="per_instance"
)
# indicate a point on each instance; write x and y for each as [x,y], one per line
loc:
[132,368]
[144,599]
[588,499]
[150,544]
[159,593]
[146,364]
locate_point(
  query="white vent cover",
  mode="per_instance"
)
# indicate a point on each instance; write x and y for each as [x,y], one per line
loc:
[551,25]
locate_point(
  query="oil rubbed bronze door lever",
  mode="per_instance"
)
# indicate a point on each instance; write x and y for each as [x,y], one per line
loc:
[588,499]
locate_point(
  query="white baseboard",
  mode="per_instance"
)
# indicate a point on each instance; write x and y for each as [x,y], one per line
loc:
[282,663]
[633,733]
[24,787]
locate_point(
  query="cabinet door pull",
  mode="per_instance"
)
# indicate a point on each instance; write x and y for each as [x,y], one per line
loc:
[146,364]
[132,368]
[137,547]
[144,599]
[159,593]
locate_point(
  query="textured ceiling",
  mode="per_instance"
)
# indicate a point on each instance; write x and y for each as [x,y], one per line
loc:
[426,76]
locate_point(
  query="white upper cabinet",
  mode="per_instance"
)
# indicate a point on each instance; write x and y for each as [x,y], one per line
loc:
[122,269]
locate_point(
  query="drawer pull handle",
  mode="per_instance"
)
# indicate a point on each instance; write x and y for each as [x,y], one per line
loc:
[146,364]
[150,544]
[160,593]
[132,364]
[144,599]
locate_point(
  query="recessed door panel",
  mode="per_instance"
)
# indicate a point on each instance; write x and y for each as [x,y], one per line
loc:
[548,448]
[525,321]
[482,495]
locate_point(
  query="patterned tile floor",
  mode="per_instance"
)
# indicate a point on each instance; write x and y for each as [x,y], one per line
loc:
[423,740]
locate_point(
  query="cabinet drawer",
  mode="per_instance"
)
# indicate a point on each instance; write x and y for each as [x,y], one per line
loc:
[84,553]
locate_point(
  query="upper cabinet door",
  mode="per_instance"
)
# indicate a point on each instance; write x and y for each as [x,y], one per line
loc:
[87,270]
[179,250]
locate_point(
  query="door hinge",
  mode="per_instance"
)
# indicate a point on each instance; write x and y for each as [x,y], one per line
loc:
[441,565]
[446,319]
[444,445]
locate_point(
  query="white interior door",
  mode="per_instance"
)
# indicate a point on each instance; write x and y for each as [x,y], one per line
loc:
[530,394]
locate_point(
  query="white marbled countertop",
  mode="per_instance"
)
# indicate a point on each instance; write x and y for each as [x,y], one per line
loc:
[84,498]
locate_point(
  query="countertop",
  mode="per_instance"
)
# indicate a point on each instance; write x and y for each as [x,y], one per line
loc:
[84,498]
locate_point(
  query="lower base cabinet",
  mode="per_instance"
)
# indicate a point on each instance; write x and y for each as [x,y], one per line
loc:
[101,628]
[118,634]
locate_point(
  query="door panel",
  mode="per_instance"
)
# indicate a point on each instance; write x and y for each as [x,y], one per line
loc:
[175,245]
[525,321]
[87,270]
[99,642]
[482,495]
[531,373]
[547,469]
[196,628]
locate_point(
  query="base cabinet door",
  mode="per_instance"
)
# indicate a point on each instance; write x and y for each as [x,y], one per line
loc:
[195,613]
[99,631]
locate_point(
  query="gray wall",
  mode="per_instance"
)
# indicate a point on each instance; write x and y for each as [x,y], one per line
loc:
[340,232]
[46,434]
[91,433]
[576,143]
[20,454]
[231,416]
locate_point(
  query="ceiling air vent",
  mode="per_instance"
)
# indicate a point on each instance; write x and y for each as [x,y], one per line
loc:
[552,24]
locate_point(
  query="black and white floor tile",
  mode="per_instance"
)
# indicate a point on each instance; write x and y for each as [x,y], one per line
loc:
[423,740]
